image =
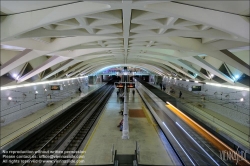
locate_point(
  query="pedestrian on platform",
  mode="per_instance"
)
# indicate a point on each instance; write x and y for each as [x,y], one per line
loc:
[80,90]
[133,91]
[121,122]
[122,97]
[164,88]
[161,86]
[180,94]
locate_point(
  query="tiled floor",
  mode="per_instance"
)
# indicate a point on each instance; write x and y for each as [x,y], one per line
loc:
[13,130]
[98,149]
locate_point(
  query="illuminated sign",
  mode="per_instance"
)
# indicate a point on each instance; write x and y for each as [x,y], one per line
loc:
[130,85]
[196,88]
[119,85]
[122,84]
[56,87]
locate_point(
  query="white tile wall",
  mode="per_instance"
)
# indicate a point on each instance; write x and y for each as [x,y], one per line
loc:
[21,106]
[225,101]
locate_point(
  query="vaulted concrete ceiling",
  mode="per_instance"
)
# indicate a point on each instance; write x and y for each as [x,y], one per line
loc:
[188,39]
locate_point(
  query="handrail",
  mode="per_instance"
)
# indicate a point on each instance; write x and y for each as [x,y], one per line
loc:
[113,153]
[135,162]
[190,102]
[222,126]
[40,120]
[137,152]
[116,163]
[34,104]
[33,99]
[209,99]
[243,114]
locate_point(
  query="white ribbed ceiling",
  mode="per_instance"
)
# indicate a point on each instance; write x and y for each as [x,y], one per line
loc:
[181,37]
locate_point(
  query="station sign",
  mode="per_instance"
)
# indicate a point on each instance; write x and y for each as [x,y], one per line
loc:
[130,85]
[56,87]
[196,88]
[123,84]
[119,85]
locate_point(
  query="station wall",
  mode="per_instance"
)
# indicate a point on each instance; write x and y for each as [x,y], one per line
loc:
[26,101]
[228,102]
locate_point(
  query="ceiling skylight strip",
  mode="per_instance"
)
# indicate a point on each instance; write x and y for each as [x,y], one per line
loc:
[38,83]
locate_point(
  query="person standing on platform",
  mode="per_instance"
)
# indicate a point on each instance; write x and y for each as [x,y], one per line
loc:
[80,90]
[117,93]
[164,88]
[122,97]
[180,94]
[121,124]
[133,91]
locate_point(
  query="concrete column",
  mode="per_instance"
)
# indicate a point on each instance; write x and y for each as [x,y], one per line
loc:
[125,129]
[91,79]
[151,78]
[159,79]
[125,78]
[164,81]
[105,77]
[98,79]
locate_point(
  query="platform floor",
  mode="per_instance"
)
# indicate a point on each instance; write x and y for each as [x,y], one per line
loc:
[222,118]
[17,128]
[106,133]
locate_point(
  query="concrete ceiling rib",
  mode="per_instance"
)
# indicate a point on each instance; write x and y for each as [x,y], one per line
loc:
[165,34]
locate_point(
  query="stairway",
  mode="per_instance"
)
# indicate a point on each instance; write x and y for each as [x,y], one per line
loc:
[125,159]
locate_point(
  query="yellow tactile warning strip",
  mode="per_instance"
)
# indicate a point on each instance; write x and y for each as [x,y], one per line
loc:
[90,138]
[149,117]
[108,135]
[136,113]
[20,127]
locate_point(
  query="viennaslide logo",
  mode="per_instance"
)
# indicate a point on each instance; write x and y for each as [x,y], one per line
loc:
[233,155]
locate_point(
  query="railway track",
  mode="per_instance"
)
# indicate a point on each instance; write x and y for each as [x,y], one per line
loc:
[66,132]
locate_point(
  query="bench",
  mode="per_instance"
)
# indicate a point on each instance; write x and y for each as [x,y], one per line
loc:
[50,104]
[201,105]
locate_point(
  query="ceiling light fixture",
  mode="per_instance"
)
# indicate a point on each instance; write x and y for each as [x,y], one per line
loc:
[228,86]
[38,83]
[15,75]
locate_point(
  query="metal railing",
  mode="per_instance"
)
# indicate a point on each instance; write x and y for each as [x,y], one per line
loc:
[36,122]
[35,100]
[187,103]
[122,73]
[237,115]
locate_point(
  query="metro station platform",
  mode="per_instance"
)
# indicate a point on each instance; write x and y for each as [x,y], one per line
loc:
[222,124]
[141,129]
[14,131]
